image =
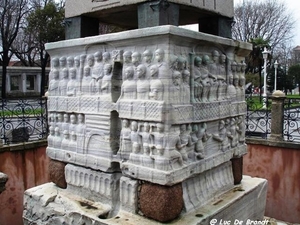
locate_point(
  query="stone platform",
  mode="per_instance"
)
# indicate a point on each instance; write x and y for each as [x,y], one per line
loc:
[48,204]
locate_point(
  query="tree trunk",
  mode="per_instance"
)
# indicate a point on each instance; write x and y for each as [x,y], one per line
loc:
[4,72]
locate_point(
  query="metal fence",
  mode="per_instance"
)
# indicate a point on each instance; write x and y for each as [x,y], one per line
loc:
[23,120]
[258,118]
[291,122]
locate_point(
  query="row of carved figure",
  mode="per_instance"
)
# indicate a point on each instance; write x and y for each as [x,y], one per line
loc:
[146,143]
[150,140]
[143,76]
[67,131]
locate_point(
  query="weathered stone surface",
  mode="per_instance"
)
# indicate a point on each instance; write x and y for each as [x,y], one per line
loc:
[49,205]
[198,190]
[147,113]
[277,120]
[126,10]
[161,203]
[3,180]
[57,173]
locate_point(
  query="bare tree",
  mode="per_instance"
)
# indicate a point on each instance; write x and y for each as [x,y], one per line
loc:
[12,12]
[46,24]
[268,19]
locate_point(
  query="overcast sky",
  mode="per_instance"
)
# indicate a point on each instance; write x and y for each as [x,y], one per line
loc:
[294,8]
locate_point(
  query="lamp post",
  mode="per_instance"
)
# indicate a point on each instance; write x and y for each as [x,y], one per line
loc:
[275,81]
[265,56]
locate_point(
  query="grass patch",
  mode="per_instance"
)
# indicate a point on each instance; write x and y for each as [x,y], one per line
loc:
[26,112]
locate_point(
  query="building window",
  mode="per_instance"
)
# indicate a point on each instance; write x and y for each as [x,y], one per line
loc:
[30,82]
[15,83]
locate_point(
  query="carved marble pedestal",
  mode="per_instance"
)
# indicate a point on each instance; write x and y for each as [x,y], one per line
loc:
[48,204]
[155,110]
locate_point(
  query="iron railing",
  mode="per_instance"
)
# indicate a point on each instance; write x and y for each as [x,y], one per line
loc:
[291,121]
[258,116]
[23,120]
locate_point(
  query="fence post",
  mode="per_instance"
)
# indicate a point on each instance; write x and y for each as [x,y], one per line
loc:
[277,113]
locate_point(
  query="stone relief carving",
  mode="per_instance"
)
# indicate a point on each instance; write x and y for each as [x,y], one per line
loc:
[222,136]
[209,82]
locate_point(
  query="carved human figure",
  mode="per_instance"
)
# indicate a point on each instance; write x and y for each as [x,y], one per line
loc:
[73,123]
[136,60]
[125,141]
[62,62]
[90,60]
[206,79]
[65,140]
[175,151]
[146,140]
[129,86]
[106,58]
[127,62]
[181,63]
[158,145]
[77,64]
[156,86]
[70,62]
[148,56]
[72,142]
[214,65]
[214,70]
[161,65]
[51,136]
[222,137]
[82,59]
[185,87]
[157,139]
[106,80]
[222,65]
[201,136]
[59,121]
[241,129]
[231,91]
[222,85]
[72,83]
[86,80]
[175,88]
[55,63]
[54,83]
[52,120]
[235,82]
[143,84]
[97,73]
[232,134]
[136,143]
[98,65]
[57,138]
[185,140]
[197,84]
[66,124]
[63,83]
[80,133]
[78,73]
